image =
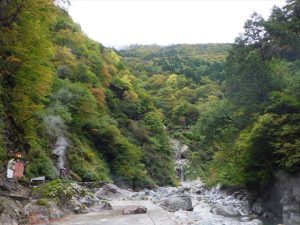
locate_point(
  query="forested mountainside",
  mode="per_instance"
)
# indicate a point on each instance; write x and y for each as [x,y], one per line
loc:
[193,60]
[240,116]
[68,102]
[180,78]
[183,98]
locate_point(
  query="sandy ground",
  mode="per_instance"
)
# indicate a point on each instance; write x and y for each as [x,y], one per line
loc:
[154,216]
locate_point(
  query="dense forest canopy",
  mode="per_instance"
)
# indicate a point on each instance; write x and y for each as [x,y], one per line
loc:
[67,101]
[193,61]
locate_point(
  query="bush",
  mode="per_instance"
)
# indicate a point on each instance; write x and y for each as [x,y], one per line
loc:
[39,164]
[87,163]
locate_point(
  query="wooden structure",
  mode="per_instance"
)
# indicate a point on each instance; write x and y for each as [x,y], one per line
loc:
[37,180]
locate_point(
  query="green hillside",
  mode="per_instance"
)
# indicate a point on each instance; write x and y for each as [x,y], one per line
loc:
[61,90]
[193,61]
[236,106]
[67,101]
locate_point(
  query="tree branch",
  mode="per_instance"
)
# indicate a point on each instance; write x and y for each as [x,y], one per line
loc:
[7,20]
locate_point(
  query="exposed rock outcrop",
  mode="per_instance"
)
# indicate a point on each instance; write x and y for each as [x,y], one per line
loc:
[290,198]
[11,212]
[42,211]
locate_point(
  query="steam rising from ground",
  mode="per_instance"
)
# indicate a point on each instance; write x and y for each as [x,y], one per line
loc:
[60,150]
[56,129]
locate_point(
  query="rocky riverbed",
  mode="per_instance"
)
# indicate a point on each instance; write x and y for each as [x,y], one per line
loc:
[65,203]
[190,203]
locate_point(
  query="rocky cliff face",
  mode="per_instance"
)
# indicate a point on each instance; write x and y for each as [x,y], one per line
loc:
[290,198]
[280,199]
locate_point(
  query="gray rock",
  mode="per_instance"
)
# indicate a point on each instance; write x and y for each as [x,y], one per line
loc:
[101,206]
[11,212]
[80,201]
[8,220]
[151,193]
[43,211]
[77,206]
[290,207]
[227,210]
[176,202]
[111,188]
[184,151]
[134,210]
[246,219]
[106,206]
[181,151]
[257,208]
[111,191]
[7,184]
[254,222]
[296,193]
[291,218]
[183,189]
[289,187]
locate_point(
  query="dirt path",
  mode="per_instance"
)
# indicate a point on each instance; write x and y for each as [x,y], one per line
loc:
[154,216]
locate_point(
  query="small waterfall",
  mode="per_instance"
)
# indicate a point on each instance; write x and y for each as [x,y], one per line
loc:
[180,153]
[182,170]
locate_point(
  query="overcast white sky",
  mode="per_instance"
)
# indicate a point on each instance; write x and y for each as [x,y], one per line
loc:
[122,22]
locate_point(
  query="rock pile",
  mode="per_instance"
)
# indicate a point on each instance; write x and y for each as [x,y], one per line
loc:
[199,205]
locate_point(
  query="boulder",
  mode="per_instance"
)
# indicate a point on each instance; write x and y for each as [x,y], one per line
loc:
[227,210]
[180,151]
[100,206]
[106,206]
[111,191]
[134,210]
[7,185]
[151,193]
[184,151]
[177,201]
[246,219]
[77,206]
[254,222]
[231,206]
[257,208]
[111,188]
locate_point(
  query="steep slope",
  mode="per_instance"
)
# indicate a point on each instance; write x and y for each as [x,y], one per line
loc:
[185,81]
[68,102]
[240,116]
[181,78]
